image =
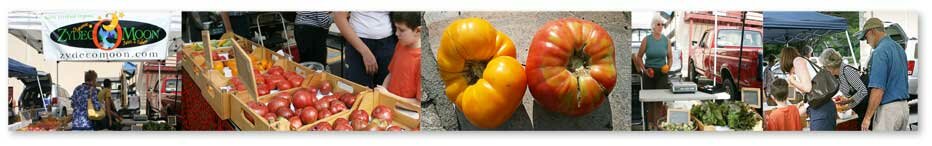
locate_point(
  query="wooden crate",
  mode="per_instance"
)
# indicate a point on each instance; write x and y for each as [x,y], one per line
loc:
[245,53]
[240,110]
[218,98]
[368,100]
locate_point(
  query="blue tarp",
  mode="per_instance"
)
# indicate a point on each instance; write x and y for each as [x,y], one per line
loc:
[129,69]
[19,70]
[784,27]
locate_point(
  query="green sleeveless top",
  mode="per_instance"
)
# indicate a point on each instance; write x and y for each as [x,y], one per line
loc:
[656,51]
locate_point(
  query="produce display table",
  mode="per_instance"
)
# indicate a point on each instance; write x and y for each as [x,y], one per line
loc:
[665,95]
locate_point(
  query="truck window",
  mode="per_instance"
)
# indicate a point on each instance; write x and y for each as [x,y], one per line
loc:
[172,85]
[703,39]
[731,37]
[896,33]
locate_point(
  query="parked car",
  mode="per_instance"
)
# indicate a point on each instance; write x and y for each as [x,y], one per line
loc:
[717,58]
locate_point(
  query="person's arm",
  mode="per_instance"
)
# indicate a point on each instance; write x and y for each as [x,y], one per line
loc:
[844,88]
[387,78]
[346,30]
[878,80]
[638,59]
[226,21]
[858,86]
[803,81]
[872,105]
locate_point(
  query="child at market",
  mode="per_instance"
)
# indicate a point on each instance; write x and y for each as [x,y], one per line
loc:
[404,78]
[785,117]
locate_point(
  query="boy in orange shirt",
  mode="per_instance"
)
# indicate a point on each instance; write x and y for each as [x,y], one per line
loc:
[786,117]
[404,78]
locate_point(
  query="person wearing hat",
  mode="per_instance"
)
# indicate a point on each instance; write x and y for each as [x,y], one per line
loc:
[887,108]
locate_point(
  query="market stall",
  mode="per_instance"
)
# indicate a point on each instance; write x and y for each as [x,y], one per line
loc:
[37,111]
[790,27]
[252,88]
[95,36]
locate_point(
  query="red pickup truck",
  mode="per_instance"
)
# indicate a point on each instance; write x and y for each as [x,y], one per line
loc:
[717,58]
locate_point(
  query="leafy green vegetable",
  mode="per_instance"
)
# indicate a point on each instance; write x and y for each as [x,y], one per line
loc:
[735,115]
[153,126]
[678,127]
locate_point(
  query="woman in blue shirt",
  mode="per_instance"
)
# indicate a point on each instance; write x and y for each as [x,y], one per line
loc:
[84,91]
[659,54]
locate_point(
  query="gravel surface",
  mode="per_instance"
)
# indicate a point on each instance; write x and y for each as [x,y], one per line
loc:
[440,114]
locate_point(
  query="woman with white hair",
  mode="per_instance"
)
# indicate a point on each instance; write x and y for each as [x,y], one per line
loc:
[655,67]
[850,85]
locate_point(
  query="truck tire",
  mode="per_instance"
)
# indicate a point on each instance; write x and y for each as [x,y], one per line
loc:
[732,88]
[693,76]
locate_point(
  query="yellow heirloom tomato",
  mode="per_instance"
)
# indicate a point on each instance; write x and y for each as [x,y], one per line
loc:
[482,76]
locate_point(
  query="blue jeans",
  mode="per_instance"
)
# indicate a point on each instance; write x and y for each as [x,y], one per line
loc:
[383,49]
[822,117]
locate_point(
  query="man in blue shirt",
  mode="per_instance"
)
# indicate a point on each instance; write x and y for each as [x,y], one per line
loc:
[887,107]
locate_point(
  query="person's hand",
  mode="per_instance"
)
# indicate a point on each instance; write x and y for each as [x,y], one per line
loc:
[650,73]
[838,99]
[372,66]
[841,100]
[866,124]
[802,110]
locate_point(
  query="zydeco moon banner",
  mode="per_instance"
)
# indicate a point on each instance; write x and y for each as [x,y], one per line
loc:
[105,35]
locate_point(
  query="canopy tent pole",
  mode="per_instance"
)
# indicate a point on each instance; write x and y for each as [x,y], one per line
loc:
[159,90]
[714,48]
[851,49]
[740,54]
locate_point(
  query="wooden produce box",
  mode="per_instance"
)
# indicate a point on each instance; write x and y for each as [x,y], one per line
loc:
[241,111]
[369,100]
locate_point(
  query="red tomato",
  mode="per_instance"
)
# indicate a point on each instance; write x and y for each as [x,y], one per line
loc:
[321,114]
[571,66]
[322,104]
[342,127]
[308,115]
[257,108]
[359,124]
[302,98]
[277,103]
[348,99]
[322,126]
[284,85]
[359,115]
[276,71]
[337,106]
[339,121]
[383,113]
[295,122]
[262,89]
[296,81]
[269,116]
[284,112]
[325,88]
